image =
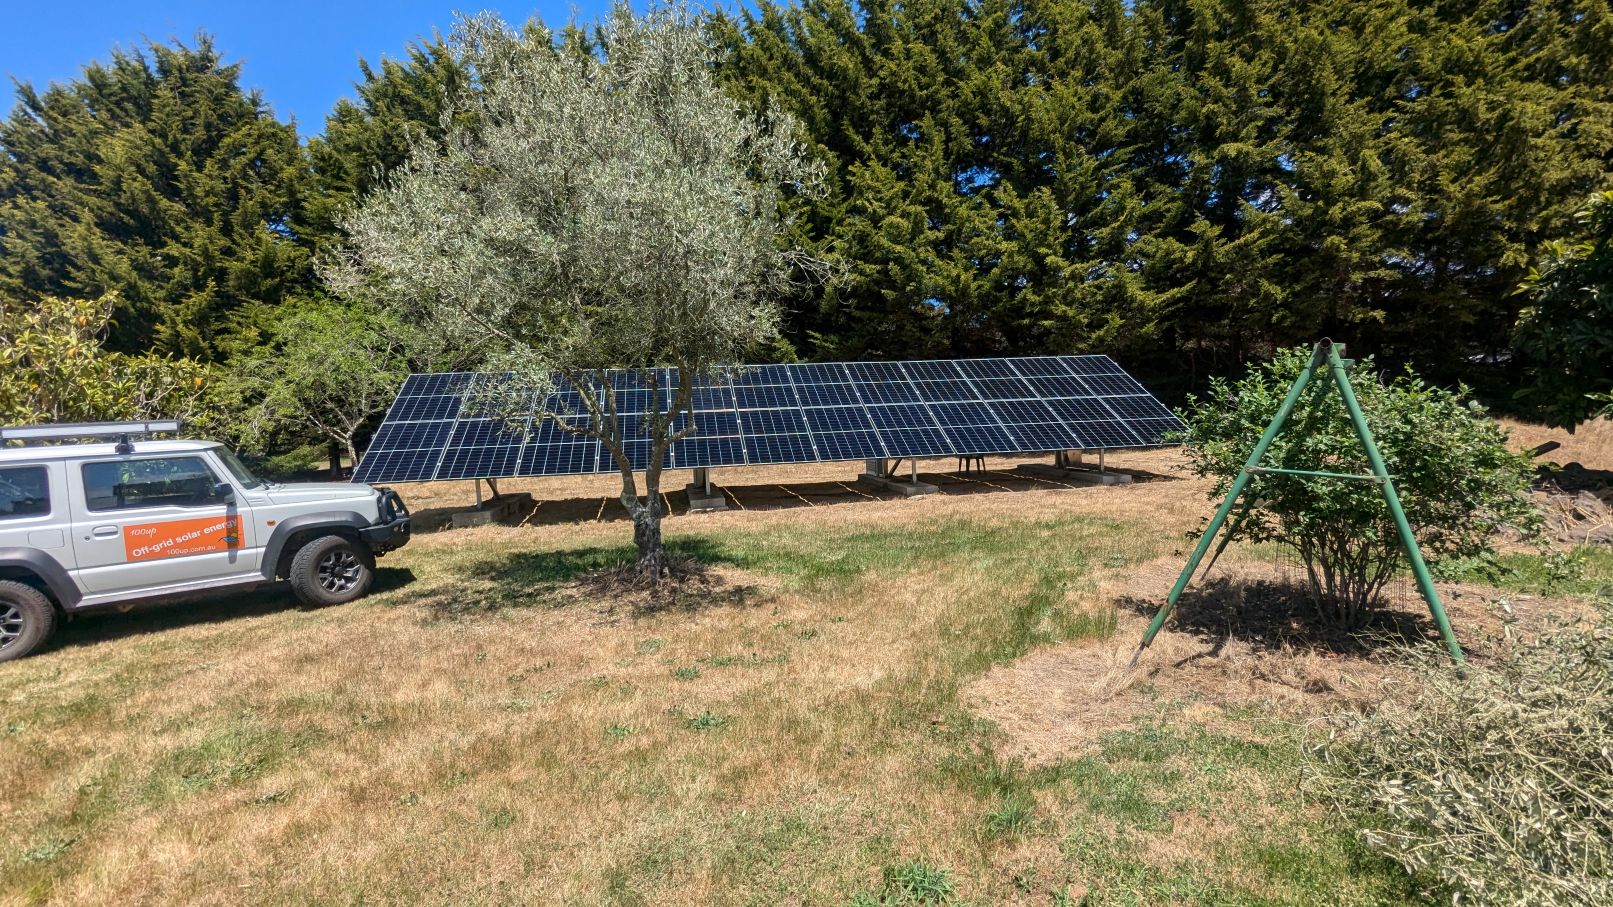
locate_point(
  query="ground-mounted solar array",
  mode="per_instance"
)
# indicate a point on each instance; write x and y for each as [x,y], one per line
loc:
[767,414]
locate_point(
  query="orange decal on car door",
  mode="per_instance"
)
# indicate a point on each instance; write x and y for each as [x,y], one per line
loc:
[180,538]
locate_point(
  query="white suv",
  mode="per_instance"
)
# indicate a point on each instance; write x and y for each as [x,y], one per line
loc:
[95,525]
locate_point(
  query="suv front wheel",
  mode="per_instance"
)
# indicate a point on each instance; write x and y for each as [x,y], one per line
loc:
[331,570]
[26,619]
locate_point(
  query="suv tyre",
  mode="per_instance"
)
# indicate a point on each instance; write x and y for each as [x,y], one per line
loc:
[27,619]
[331,570]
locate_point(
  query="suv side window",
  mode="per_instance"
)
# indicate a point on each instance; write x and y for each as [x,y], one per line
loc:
[164,482]
[24,491]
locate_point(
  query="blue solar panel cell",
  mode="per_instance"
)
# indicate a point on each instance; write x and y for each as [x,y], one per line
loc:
[932,370]
[772,421]
[981,439]
[901,416]
[697,452]
[398,466]
[410,436]
[946,391]
[1103,434]
[1045,437]
[422,409]
[714,424]
[887,392]
[486,433]
[570,458]
[986,368]
[1044,366]
[479,462]
[849,445]
[950,414]
[1081,410]
[755,375]
[876,371]
[818,373]
[779,449]
[547,432]
[838,419]
[1059,387]
[1091,365]
[1015,411]
[707,399]
[826,394]
[765,397]
[1003,389]
[916,442]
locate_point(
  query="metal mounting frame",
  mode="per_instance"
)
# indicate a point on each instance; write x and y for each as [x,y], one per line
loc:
[1326,356]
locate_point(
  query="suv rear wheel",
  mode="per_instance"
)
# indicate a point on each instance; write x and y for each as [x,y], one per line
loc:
[331,570]
[26,619]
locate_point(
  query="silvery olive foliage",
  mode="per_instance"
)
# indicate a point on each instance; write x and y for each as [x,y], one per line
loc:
[1494,780]
[597,202]
[1458,480]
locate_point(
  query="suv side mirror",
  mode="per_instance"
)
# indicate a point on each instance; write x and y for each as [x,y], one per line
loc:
[223,491]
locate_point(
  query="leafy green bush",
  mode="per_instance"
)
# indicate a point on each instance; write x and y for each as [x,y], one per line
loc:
[1565,336]
[1457,479]
[53,368]
[1496,780]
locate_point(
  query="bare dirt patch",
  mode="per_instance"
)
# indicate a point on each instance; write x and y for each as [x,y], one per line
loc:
[692,586]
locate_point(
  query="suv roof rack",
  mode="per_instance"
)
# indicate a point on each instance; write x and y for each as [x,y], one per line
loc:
[71,430]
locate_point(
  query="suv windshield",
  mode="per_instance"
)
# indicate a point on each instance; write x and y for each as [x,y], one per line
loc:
[237,468]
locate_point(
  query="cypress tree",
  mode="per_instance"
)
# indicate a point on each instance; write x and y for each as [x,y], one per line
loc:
[398,103]
[156,178]
[1215,178]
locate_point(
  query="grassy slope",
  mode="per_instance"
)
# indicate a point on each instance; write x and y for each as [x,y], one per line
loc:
[468,737]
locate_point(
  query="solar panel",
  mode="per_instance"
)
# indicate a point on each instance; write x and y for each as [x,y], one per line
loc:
[804,413]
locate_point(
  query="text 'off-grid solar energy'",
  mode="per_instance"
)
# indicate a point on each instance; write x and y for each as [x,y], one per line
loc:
[803,413]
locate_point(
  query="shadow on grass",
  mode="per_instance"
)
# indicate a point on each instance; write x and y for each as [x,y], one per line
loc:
[200,608]
[602,577]
[777,496]
[1272,616]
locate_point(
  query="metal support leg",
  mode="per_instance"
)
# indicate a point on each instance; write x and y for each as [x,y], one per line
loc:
[476,484]
[1419,569]
[915,465]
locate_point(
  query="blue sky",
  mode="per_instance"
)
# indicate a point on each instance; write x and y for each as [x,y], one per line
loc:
[303,55]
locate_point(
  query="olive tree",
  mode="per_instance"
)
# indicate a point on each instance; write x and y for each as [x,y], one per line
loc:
[1458,480]
[595,203]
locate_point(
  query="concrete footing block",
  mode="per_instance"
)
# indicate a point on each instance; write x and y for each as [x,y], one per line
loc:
[906,489]
[501,509]
[1078,476]
[702,502]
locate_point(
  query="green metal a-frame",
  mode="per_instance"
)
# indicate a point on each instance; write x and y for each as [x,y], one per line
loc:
[1327,360]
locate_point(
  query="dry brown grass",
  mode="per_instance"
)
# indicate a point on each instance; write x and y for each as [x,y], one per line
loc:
[472,735]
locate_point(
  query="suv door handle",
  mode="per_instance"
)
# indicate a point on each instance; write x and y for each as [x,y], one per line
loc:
[104,532]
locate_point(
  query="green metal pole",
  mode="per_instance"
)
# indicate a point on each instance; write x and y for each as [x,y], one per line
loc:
[1425,580]
[1221,513]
